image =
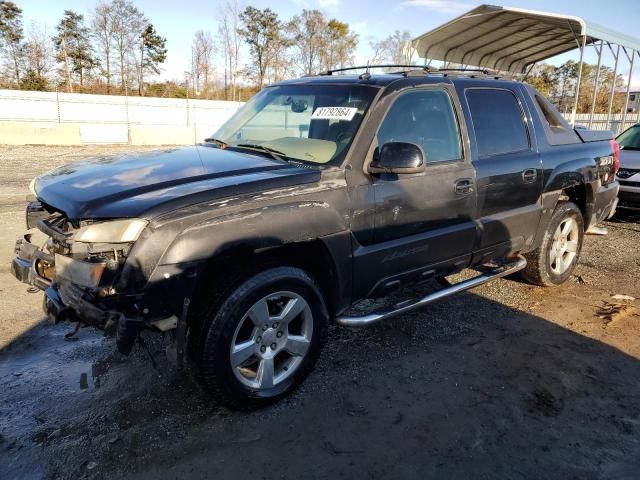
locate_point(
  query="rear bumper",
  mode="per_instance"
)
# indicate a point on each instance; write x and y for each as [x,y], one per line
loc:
[606,202]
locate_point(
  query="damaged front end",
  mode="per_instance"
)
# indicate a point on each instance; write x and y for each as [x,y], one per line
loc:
[79,266]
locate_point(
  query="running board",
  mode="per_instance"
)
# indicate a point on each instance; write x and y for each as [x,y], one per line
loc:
[402,307]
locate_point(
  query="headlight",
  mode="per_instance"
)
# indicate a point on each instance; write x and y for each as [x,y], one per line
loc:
[116,231]
[32,187]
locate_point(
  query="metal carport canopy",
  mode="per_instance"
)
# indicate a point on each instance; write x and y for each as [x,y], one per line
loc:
[511,39]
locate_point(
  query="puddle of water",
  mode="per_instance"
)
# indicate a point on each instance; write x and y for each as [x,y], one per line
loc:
[41,375]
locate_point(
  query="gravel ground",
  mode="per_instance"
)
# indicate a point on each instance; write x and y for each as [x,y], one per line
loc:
[506,381]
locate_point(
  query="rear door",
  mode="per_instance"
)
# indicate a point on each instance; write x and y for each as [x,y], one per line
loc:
[508,170]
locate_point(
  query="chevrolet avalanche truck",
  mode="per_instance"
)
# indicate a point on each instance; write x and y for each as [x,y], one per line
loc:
[319,192]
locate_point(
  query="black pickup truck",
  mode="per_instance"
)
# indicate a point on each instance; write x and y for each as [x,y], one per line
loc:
[317,193]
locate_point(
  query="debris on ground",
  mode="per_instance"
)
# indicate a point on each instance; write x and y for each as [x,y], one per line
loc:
[626,298]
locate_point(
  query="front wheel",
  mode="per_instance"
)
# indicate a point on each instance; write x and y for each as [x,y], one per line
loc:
[554,261]
[263,339]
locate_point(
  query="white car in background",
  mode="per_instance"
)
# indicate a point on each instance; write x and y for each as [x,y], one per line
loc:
[629,174]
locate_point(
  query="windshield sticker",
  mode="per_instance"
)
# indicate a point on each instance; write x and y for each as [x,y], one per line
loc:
[334,113]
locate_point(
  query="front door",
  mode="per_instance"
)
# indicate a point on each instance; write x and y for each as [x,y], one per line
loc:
[424,222]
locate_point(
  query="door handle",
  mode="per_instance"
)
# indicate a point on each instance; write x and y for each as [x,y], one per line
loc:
[529,175]
[463,186]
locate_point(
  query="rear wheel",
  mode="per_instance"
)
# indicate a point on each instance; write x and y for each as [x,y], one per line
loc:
[556,258]
[261,340]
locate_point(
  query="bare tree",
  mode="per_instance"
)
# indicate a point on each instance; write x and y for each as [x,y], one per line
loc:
[38,50]
[392,49]
[102,30]
[203,50]
[307,32]
[228,25]
[128,24]
[280,58]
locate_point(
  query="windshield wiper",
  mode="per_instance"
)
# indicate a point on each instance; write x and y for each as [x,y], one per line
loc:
[275,154]
[217,141]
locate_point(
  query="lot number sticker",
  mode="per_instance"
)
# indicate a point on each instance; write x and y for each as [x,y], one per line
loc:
[334,113]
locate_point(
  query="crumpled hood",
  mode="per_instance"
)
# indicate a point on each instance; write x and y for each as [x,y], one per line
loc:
[147,184]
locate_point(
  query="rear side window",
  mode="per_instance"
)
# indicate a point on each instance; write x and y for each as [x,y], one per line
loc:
[497,121]
[556,129]
[425,118]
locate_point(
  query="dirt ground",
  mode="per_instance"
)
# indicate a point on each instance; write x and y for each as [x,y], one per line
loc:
[506,381]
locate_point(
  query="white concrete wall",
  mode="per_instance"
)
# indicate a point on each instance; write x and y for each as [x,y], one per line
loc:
[74,119]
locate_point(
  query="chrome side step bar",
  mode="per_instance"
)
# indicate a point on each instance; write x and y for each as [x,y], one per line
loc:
[498,272]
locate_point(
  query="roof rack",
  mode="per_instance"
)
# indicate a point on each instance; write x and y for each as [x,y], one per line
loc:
[425,68]
[486,72]
[410,70]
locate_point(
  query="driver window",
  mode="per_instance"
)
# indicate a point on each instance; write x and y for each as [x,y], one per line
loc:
[425,118]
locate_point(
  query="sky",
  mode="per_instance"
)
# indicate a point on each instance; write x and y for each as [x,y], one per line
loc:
[370,19]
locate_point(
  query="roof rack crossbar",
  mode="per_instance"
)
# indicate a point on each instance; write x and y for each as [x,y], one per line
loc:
[425,68]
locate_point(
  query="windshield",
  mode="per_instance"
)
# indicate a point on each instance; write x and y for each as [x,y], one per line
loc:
[630,139]
[312,123]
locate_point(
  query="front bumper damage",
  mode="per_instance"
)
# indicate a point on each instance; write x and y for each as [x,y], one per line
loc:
[66,301]
[83,291]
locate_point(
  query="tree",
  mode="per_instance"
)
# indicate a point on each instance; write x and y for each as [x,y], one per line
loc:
[228,26]
[321,43]
[340,45]
[203,50]
[153,53]
[307,30]
[565,75]
[261,30]
[73,47]
[102,30]
[38,51]
[542,78]
[392,49]
[33,81]
[128,23]
[11,34]
[559,85]
[280,66]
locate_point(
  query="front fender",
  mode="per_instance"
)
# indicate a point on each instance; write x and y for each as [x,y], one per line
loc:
[258,228]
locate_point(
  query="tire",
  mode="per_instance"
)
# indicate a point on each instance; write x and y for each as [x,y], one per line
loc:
[553,262]
[275,321]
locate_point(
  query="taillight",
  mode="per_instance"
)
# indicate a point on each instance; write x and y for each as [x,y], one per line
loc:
[616,155]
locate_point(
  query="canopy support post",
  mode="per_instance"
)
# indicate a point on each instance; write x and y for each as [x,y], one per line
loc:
[528,71]
[577,93]
[626,98]
[597,82]
[613,83]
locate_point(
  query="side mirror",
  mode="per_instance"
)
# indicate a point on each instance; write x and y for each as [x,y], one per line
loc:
[399,158]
